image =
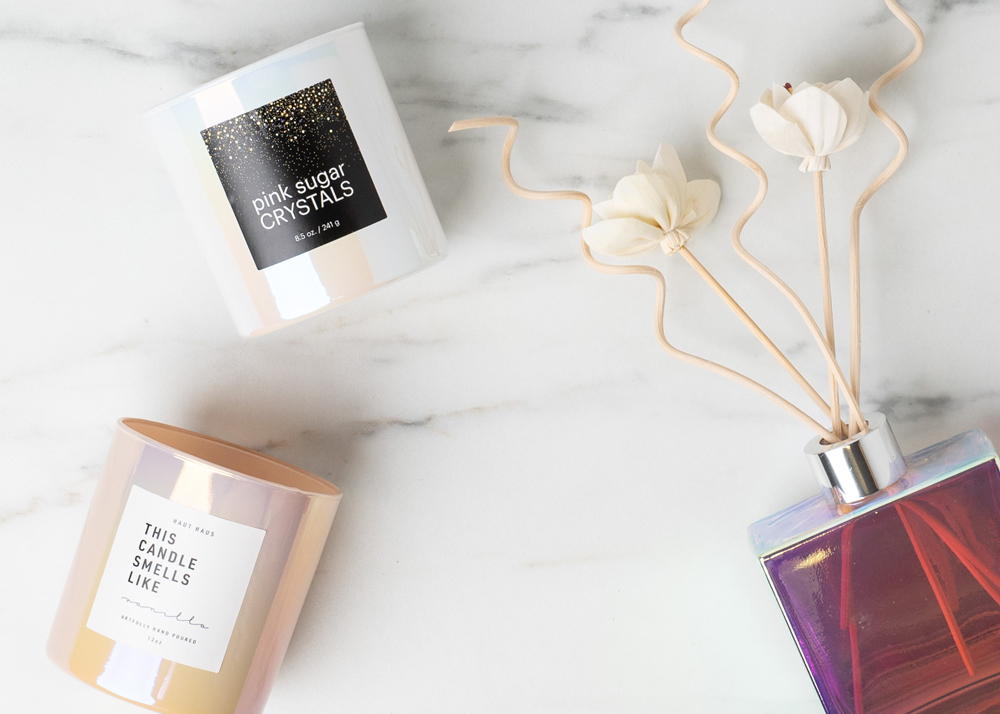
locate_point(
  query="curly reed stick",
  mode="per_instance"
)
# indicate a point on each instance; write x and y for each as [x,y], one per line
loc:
[661,286]
[824,266]
[855,241]
[857,419]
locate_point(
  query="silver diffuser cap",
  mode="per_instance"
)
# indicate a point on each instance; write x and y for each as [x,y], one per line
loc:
[860,466]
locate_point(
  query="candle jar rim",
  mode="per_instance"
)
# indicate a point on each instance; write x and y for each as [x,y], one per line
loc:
[276,474]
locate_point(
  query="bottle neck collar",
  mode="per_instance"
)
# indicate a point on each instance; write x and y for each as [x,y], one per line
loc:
[856,468]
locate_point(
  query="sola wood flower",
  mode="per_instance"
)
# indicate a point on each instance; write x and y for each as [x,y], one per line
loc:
[655,206]
[812,120]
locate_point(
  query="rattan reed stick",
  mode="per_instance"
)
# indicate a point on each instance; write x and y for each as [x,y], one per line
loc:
[857,418]
[661,287]
[755,329]
[824,269]
[854,249]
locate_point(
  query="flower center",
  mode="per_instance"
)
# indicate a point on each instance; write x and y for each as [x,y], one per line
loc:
[788,86]
[673,241]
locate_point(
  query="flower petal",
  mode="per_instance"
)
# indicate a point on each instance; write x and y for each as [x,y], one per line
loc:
[781,134]
[622,236]
[703,197]
[668,162]
[651,197]
[820,117]
[855,105]
[608,210]
[776,96]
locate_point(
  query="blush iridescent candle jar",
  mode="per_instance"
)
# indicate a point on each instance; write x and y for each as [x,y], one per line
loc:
[299,181]
[191,571]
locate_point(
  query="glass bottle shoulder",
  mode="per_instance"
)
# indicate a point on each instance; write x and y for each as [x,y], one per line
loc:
[818,514]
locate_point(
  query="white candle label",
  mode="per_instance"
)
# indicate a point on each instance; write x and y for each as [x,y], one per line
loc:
[174,581]
[294,174]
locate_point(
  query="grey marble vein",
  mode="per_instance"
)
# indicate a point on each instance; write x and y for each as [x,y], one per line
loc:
[622,12]
[208,61]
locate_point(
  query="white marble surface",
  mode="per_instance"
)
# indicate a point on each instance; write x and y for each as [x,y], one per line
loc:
[542,512]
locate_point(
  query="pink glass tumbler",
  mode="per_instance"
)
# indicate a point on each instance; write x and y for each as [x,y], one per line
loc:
[192,569]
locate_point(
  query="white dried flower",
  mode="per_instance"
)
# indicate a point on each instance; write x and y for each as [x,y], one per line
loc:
[655,206]
[812,120]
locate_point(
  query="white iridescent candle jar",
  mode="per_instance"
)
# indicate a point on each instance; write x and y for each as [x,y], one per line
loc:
[299,181]
[191,571]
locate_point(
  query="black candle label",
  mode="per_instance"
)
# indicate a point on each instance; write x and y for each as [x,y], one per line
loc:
[293,174]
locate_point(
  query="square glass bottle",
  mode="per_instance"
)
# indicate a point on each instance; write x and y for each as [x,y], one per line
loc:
[889,580]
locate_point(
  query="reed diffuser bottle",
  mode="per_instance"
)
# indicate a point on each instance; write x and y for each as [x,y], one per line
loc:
[888,578]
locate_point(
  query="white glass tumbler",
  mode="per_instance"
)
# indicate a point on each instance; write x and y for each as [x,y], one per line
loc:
[299,181]
[191,571]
